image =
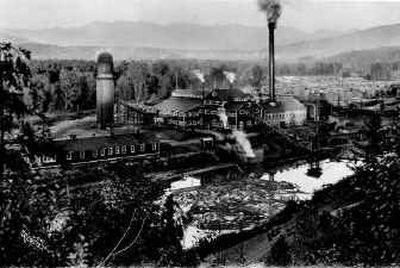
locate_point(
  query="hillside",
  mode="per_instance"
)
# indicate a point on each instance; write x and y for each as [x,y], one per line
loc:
[139,40]
[366,57]
[385,36]
[45,51]
[173,36]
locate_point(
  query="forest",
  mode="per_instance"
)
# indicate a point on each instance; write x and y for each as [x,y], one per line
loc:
[69,85]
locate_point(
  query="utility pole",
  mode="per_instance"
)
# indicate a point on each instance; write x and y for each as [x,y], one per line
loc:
[315,169]
[176,80]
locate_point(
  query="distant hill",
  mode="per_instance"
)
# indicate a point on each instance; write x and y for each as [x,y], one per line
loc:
[142,40]
[366,57]
[174,36]
[373,38]
[7,36]
[45,51]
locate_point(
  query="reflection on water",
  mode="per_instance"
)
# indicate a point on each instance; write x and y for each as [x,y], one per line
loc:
[332,172]
[186,182]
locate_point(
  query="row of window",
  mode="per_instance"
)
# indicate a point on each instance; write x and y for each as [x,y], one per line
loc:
[113,151]
[186,123]
[215,112]
[281,116]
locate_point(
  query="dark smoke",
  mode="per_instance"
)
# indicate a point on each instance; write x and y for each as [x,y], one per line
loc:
[272,8]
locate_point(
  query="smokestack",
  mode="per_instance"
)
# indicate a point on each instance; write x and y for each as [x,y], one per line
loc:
[105,90]
[273,10]
[271,28]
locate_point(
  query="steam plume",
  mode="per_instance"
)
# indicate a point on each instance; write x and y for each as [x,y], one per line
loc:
[244,142]
[230,76]
[199,75]
[223,117]
[272,8]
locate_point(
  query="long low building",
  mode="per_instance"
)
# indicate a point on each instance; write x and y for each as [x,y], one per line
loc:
[75,150]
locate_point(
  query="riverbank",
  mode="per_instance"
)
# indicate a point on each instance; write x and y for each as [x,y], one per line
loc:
[347,223]
[234,209]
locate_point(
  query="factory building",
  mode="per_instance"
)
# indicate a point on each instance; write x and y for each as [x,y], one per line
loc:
[180,111]
[106,147]
[97,149]
[194,108]
[130,113]
[188,109]
[243,115]
[288,111]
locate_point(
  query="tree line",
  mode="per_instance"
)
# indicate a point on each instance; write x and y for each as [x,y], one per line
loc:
[70,85]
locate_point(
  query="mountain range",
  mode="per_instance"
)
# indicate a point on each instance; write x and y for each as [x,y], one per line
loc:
[143,40]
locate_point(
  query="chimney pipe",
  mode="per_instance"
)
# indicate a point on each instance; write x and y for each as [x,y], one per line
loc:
[271,28]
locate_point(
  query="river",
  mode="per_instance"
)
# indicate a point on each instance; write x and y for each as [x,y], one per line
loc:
[245,204]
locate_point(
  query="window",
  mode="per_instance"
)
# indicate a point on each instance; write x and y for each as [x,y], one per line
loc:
[154,146]
[123,150]
[141,148]
[133,149]
[82,155]
[110,150]
[48,159]
[69,155]
[94,154]
[103,152]
[117,150]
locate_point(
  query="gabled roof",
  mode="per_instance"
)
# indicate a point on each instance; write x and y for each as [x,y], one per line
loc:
[234,106]
[189,93]
[285,104]
[228,94]
[173,104]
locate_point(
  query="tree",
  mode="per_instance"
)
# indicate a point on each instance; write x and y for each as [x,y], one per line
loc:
[133,83]
[165,77]
[14,76]
[16,180]
[70,87]
[216,76]
[374,146]
[39,93]
[257,77]
[280,253]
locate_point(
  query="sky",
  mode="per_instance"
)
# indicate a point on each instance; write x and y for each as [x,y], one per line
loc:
[306,15]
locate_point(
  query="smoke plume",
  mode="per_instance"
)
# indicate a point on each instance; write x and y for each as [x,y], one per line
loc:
[272,8]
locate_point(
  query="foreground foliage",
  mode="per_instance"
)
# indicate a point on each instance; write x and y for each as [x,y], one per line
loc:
[353,222]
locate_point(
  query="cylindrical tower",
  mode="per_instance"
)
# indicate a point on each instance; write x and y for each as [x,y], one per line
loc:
[105,85]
